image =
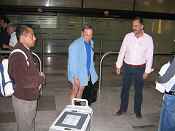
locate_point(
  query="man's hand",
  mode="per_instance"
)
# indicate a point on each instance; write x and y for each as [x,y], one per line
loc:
[42,74]
[118,70]
[145,76]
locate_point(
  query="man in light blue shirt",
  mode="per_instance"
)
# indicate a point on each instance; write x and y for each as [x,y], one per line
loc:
[80,62]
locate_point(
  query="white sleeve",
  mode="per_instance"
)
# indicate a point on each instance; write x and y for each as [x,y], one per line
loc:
[149,57]
[121,54]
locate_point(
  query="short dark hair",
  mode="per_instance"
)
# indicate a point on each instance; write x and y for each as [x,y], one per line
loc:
[20,29]
[138,18]
[5,19]
[87,26]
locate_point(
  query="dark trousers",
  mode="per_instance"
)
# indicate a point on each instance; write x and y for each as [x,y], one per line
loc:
[132,74]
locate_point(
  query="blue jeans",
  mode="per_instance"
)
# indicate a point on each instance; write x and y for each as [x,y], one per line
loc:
[167,114]
[132,74]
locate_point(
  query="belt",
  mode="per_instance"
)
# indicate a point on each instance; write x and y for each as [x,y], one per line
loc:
[170,93]
[142,65]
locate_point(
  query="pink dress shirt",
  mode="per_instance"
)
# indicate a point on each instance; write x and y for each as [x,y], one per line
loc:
[136,51]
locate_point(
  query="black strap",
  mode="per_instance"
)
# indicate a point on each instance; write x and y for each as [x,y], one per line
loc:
[2,75]
[170,93]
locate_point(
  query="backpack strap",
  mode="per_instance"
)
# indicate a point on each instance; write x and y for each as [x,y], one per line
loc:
[2,80]
[20,51]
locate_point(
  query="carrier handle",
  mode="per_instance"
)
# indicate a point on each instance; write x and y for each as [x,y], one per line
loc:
[79,100]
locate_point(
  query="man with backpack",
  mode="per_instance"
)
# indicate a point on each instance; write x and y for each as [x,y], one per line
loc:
[165,83]
[27,79]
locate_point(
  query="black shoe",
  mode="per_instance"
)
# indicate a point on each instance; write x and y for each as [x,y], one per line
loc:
[138,115]
[119,113]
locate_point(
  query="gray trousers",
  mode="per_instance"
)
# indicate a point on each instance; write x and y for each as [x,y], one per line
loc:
[25,113]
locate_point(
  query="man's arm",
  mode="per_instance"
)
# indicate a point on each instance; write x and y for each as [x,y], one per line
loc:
[121,56]
[149,57]
[72,62]
[149,60]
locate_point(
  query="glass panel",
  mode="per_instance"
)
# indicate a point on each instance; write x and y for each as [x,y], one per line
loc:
[112,4]
[162,32]
[65,3]
[156,5]
[109,32]
[108,36]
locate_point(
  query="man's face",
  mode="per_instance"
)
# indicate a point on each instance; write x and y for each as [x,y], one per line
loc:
[1,22]
[10,29]
[87,35]
[29,38]
[137,27]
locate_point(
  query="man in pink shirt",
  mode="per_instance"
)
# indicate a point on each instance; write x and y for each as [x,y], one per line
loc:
[136,57]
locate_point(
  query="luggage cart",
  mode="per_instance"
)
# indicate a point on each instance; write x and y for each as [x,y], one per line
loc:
[74,117]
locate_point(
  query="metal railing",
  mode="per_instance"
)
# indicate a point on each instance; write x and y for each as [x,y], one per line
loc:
[100,72]
[112,53]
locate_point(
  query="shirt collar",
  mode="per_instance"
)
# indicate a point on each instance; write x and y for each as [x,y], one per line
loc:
[88,43]
[14,33]
[84,40]
[139,37]
[22,46]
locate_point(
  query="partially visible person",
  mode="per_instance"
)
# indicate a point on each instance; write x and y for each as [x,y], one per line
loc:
[1,23]
[136,57]
[4,21]
[81,67]
[166,80]
[11,29]
[27,79]
[4,35]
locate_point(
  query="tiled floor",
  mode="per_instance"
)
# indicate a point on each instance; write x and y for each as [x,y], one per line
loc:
[56,96]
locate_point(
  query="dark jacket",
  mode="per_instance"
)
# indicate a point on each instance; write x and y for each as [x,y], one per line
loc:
[4,38]
[26,78]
